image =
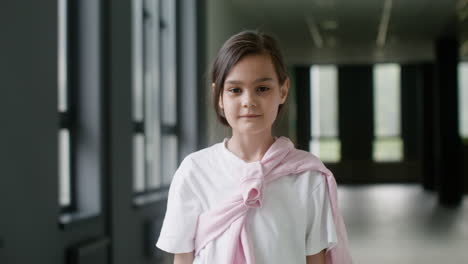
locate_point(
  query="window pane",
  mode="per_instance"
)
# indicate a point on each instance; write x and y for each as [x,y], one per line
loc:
[388,149]
[324,113]
[64,168]
[324,101]
[155,92]
[153,165]
[463,98]
[387,100]
[328,149]
[62,55]
[168,59]
[152,95]
[139,163]
[146,95]
[388,144]
[169,159]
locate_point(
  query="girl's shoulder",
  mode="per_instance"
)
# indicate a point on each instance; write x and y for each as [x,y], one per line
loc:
[190,167]
[313,179]
[200,161]
[202,156]
[303,156]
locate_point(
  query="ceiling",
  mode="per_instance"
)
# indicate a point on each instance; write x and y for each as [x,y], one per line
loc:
[340,31]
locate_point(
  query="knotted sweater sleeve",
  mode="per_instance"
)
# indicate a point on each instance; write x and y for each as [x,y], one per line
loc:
[179,226]
[321,232]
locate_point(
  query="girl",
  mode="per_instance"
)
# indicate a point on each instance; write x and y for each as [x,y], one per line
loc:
[252,198]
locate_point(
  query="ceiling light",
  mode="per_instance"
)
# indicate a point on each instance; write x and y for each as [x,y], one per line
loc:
[462,9]
[314,32]
[464,48]
[325,3]
[329,24]
[383,27]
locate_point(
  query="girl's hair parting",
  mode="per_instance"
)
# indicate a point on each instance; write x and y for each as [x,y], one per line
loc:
[234,49]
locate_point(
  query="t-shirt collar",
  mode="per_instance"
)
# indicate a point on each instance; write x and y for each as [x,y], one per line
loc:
[278,143]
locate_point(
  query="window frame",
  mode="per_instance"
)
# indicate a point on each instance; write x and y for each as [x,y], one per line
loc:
[85,82]
[66,116]
[145,11]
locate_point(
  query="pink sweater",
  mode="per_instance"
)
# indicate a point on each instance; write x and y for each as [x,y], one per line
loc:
[280,160]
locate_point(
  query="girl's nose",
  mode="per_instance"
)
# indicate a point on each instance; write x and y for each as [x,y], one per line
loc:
[249,105]
[248,101]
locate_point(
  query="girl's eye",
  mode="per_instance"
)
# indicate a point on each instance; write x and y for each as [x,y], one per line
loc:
[263,89]
[235,90]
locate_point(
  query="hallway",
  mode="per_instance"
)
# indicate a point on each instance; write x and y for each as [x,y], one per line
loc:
[100,101]
[396,223]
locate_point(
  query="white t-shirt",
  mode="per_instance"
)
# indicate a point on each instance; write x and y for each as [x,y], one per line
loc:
[294,221]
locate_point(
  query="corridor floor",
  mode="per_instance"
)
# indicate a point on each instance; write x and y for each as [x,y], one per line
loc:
[395,223]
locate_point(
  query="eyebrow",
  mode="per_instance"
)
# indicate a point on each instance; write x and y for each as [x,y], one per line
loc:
[264,79]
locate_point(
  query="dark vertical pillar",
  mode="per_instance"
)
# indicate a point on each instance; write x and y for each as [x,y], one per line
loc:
[447,143]
[428,136]
[411,110]
[356,114]
[303,106]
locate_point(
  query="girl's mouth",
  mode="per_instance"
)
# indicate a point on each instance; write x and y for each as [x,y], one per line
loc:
[250,116]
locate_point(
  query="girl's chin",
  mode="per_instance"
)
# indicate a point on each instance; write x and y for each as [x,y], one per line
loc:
[252,130]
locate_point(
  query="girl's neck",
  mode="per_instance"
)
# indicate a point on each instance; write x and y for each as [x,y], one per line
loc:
[250,148]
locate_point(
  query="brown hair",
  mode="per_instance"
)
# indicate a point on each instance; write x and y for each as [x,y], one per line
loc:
[234,49]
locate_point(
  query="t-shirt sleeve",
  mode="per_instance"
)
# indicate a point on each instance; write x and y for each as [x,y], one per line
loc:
[321,232]
[183,208]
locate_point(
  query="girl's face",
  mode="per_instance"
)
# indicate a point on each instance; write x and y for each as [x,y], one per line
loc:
[252,94]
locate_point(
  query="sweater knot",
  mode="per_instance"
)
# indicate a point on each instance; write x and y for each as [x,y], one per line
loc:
[252,185]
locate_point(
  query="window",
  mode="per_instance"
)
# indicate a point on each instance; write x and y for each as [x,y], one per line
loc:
[154,95]
[168,101]
[387,145]
[64,134]
[81,121]
[324,113]
[463,99]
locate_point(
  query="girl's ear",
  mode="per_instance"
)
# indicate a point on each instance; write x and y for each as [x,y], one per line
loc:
[220,100]
[284,91]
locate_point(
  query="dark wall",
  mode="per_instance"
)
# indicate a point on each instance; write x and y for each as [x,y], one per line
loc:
[355,111]
[28,141]
[448,142]
[303,99]
[29,224]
